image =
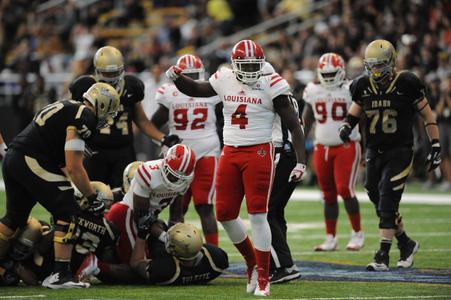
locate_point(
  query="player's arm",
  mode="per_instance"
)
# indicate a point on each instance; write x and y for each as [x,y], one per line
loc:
[138,260]
[220,122]
[430,123]
[161,116]
[176,211]
[308,117]
[146,126]
[351,120]
[189,86]
[289,116]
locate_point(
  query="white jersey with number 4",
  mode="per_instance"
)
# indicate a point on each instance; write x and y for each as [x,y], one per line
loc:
[330,107]
[192,119]
[148,183]
[248,109]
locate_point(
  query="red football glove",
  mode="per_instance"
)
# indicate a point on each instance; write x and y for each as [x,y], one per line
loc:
[298,173]
[173,72]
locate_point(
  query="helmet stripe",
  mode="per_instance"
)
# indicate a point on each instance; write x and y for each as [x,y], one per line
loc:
[246,49]
[189,61]
[253,48]
[182,164]
[187,158]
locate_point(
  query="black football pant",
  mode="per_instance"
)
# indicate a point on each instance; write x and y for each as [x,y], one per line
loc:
[280,194]
[107,165]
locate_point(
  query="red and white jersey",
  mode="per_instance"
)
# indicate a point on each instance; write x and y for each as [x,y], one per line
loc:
[330,107]
[192,119]
[148,183]
[248,109]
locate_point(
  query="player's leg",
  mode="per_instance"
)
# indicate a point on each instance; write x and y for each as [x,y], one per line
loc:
[229,194]
[346,166]
[323,161]
[258,175]
[282,268]
[203,188]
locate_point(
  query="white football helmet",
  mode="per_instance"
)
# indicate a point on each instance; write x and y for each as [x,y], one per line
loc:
[178,167]
[331,70]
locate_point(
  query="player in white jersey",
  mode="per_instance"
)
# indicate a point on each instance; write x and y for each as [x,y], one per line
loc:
[246,164]
[156,184]
[336,163]
[194,120]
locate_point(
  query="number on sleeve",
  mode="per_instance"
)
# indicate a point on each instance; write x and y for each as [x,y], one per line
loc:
[239,116]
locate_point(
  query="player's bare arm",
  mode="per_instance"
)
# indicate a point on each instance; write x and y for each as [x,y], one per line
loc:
[161,116]
[74,162]
[176,211]
[189,86]
[138,260]
[308,117]
[286,112]
[146,126]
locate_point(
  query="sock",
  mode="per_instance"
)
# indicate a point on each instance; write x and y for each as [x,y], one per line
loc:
[62,267]
[355,222]
[212,238]
[385,246]
[247,251]
[331,226]
[402,238]
[103,266]
[263,258]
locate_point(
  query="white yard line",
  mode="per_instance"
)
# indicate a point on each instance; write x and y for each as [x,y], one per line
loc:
[376,298]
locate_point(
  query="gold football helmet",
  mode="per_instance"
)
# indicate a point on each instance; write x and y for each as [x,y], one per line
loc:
[105,100]
[184,241]
[129,173]
[380,58]
[99,187]
[26,240]
[109,67]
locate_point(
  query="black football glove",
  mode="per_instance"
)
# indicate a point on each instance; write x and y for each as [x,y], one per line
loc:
[170,140]
[144,224]
[345,131]
[434,158]
[96,204]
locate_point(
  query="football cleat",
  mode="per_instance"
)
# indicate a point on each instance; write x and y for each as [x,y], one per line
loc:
[63,281]
[282,275]
[330,244]
[407,253]
[262,289]
[252,277]
[380,263]
[88,268]
[356,242]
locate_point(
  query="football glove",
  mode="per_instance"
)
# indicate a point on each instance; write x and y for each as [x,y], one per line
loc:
[144,224]
[170,140]
[2,150]
[345,131]
[434,158]
[96,204]
[173,72]
[298,173]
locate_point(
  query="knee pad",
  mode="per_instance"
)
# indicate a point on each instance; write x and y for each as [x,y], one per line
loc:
[69,230]
[387,220]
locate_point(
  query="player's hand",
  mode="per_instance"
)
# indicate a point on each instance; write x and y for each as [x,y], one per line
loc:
[434,158]
[170,140]
[173,72]
[96,204]
[298,173]
[345,131]
[144,224]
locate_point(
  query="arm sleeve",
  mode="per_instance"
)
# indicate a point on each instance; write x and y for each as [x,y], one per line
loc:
[355,92]
[278,86]
[85,122]
[134,86]
[415,89]
[142,181]
[215,80]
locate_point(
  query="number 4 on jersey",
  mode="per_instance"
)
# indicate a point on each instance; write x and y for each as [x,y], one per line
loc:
[239,116]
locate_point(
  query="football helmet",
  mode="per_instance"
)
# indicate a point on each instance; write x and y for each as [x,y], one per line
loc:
[247,61]
[191,66]
[379,61]
[178,167]
[331,70]
[105,100]
[27,239]
[184,241]
[109,67]
[129,173]
[99,188]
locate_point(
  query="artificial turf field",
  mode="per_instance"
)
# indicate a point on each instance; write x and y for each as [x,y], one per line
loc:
[337,275]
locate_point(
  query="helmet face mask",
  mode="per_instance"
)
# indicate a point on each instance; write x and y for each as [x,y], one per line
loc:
[331,70]
[380,59]
[105,100]
[184,241]
[248,60]
[109,67]
[191,66]
[178,167]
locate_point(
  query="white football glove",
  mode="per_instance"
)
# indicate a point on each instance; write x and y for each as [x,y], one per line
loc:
[298,173]
[173,72]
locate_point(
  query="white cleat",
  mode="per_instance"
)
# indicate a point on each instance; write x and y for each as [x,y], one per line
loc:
[330,244]
[58,281]
[407,254]
[252,280]
[357,241]
[262,292]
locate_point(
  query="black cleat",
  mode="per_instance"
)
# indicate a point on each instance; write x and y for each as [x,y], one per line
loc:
[407,252]
[380,262]
[282,275]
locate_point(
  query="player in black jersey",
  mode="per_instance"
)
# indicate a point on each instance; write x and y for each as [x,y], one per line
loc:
[389,100]
[113,147]
[182,261]
[38,163]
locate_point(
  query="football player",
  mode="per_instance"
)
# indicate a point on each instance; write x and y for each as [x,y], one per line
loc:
[389,100]
[246,165]
[194,120]
[55,139]
[113,146]
[336,163]
[182,260]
